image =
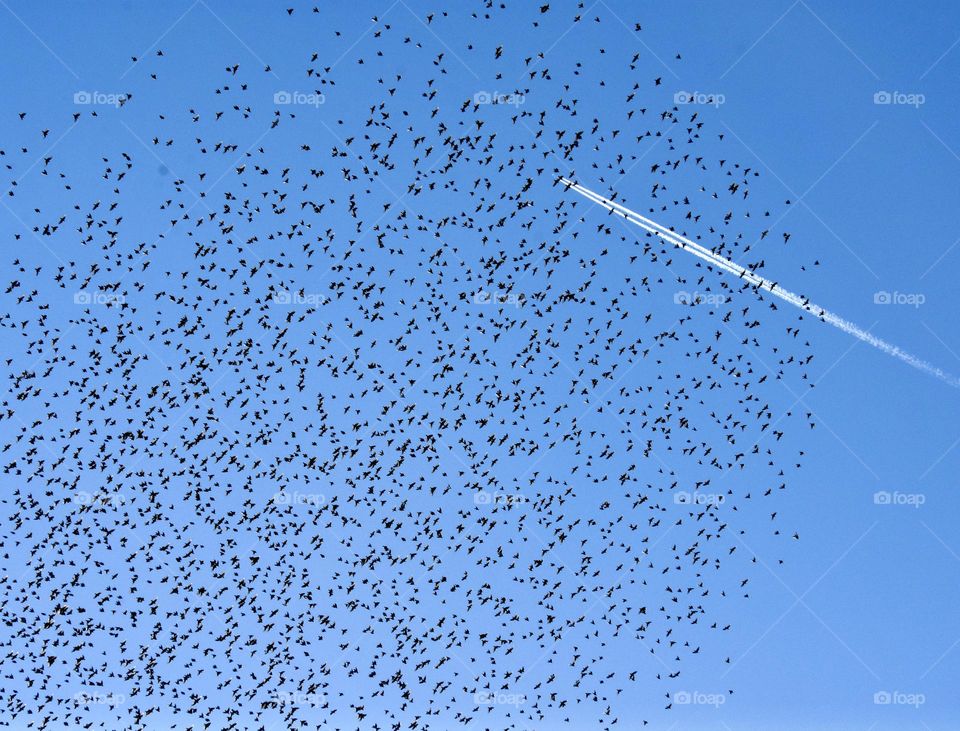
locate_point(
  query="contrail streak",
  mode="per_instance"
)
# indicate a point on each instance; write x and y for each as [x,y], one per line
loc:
[761,283]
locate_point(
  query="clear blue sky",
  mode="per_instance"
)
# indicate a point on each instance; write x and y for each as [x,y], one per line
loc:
[865,602]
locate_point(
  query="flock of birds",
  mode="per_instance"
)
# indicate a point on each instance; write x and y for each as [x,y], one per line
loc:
[334,409]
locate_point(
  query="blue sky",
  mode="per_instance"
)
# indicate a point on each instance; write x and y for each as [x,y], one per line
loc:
[847,110]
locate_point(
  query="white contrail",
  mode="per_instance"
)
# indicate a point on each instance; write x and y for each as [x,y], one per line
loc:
[760,282]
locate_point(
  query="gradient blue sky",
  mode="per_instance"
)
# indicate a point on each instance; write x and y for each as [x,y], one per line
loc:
[867,601]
